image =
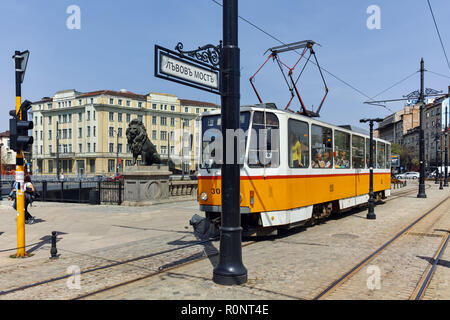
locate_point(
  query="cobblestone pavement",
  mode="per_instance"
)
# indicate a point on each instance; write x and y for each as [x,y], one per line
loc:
[296,266]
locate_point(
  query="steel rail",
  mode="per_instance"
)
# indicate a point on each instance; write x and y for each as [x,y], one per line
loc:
[356,268]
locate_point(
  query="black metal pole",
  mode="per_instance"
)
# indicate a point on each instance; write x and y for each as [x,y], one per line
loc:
[182,153]
[421,193]
[58,168]
[230,269]
[446,143]
[117,154]
[371,203]
[437,155]
[371,213]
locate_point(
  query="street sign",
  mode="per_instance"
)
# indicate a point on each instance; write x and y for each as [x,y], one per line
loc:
[174,66]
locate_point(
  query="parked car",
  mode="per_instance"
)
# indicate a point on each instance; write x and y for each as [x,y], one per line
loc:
[115,178]
[408,175]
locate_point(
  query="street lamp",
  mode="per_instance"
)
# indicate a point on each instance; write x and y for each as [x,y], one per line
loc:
[371,213]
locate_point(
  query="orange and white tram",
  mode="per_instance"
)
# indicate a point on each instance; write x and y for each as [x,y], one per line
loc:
[297,172]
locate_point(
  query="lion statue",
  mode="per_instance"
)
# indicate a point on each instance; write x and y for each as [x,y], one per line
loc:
[140,144]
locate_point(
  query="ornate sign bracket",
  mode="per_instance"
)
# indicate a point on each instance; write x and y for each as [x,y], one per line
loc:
[208,54]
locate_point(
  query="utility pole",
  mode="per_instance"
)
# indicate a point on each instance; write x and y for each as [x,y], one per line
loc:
[230,269]
[371,212]
[182,152]
[58,167]
[437,139]
[117,153]
[446,142]
[421,193]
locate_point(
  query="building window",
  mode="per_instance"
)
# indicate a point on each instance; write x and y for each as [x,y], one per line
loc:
[172,108]
[111,131]
[128,117]
[49,119]
[111,116]
[94,115]
[80,117]
[92,165]
[111,147]
[119,132]
[153,119]
[50,105]
[80,148]
[119,117]
[70,133]
[88,147]
[322,147]
[50,166]
[172,122]
[163,135]
[92,100]
[298,144]
[111,101]
[154,135]
[186,122]
[95,147]
[119,148]
[197,110]
[163,149]
[49,134]
[111,165]
[163,121]
[70,103]
[140,104]
[154,106]
[128,103]
[186,109]
[140,118]
[120,102]
[95,131]
[88,115]
[79,102]
[88,131]
[64,133]
[80,132]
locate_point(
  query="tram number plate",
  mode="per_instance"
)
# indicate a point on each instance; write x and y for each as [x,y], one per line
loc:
[215,191]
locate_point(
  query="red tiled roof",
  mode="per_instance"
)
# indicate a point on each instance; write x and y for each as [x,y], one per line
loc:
[185,102]
[44,99]
[4,134]
[127,94]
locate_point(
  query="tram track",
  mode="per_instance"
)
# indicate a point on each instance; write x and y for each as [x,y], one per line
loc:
[171,266]
[354,270]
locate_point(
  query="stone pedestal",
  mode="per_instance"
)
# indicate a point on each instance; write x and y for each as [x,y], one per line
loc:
[145,185]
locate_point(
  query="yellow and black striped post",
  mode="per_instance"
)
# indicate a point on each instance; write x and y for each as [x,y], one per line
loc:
[20,174]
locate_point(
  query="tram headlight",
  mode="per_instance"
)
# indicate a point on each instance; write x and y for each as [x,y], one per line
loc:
[203,196]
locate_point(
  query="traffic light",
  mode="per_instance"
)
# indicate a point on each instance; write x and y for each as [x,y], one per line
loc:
[18,128]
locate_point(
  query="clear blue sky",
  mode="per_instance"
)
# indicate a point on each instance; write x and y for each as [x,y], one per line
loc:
[115,48]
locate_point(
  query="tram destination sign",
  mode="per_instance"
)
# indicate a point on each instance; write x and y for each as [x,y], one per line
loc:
[173,66]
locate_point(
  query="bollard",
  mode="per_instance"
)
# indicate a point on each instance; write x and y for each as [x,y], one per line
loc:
[53,250]
[441,186]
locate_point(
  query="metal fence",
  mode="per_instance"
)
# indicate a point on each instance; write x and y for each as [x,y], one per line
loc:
[93,192]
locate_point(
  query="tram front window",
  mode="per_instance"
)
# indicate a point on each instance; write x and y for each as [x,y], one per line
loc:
[212,155]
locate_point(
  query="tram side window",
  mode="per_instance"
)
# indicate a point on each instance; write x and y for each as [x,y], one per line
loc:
[341,150]
[298,144]
[264,148]
[357,152]
[388,156]
[322,147]
[381,158]
[368,153]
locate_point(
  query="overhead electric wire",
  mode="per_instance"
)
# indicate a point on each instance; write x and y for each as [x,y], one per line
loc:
[439,34]
[283,43]
[438,74]
[395,84]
